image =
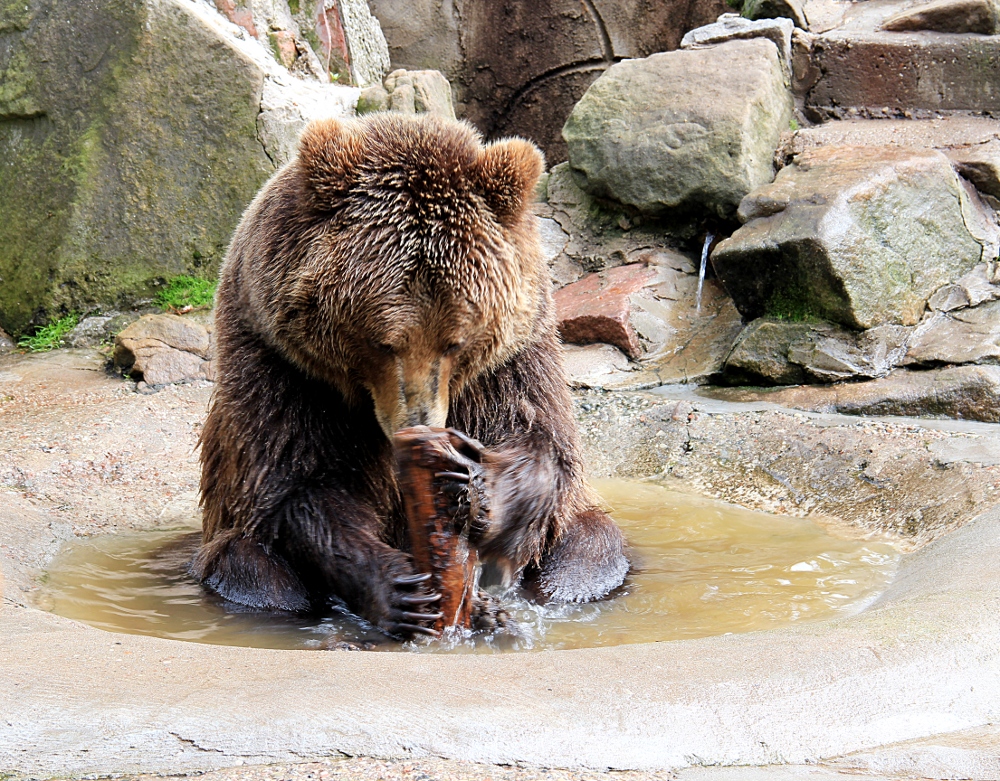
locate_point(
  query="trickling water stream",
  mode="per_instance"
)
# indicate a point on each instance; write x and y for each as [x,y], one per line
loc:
[701,568]
[709,237]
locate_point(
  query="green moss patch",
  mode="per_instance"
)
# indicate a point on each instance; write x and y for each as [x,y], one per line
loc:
[49,337]
[186,293]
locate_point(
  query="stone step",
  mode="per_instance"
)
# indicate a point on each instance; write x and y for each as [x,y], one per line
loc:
[882,57]
[895,74]
[971,143]
[944,133]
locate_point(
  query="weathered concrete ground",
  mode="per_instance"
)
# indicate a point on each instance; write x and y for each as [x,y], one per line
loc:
[908,688]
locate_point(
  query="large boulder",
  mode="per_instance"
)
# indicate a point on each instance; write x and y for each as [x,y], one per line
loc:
[857,236]
[688,130]
[133,135]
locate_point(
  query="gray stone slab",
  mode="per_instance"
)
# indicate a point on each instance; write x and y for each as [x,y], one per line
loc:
[682,130]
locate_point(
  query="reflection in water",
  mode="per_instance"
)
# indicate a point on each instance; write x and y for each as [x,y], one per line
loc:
[701,568]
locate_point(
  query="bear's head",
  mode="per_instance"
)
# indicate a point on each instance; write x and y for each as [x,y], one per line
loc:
[422,267]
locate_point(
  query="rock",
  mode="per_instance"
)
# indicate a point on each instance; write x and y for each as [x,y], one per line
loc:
[554,239]
[824,15]
[271,23]
[980,164]
[595,365]
[689,345]
[288,104]
[982,284]
[593,236]
[240,14]
[966,392]
[372,99]
[732,27]
[598,308]
[883,74]
[420,92]
[961,136]
[773,9]
[970,335]
[120,322]
[89,332]
[971,143]
[7,344]
[760,355]
[649,311]
[144,135]
[410,92]
[947,16]
[858,236]
[688,130]
[981,220]
[161,349]
[347,38]
[949,297]
[283,45]
[773,352]
[519,67]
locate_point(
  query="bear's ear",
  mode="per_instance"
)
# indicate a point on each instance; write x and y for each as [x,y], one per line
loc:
[508,172]
[329,154]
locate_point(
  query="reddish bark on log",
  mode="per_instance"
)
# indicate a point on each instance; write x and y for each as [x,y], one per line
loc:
[437,547]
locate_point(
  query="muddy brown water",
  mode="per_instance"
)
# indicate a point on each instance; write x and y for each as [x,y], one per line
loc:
[701,568]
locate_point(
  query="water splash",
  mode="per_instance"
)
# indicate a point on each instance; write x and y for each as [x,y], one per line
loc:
[701,271]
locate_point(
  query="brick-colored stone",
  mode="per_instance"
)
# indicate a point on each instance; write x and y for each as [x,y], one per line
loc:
[597,308]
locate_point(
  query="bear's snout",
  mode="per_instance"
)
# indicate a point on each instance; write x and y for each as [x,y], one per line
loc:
[416,396]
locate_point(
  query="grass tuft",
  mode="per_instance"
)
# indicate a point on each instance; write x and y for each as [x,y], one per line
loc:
[50,336]
[186,293]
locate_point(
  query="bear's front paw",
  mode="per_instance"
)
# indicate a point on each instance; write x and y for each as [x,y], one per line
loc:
[409,608]
[465,485]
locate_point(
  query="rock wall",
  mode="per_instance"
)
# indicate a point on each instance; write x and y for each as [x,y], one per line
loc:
[132,135]
[518,67]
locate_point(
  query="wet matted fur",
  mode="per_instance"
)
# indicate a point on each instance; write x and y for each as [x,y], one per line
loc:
[389,276]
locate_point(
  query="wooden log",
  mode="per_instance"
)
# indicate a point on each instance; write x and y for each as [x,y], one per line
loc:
[437,547]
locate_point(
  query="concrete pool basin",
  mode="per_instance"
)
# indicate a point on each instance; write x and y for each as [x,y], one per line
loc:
[922,661]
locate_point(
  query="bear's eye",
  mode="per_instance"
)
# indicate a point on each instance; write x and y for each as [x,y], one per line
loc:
[383,347]
[453,348]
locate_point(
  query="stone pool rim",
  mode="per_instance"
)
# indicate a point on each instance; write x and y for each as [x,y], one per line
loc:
[923,659]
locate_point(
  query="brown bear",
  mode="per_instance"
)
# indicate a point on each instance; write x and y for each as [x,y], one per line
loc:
[391,276]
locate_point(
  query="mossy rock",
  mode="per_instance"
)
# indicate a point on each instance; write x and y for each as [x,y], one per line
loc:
[130,151]
[857,236]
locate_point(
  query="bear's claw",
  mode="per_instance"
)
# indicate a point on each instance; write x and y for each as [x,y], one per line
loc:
[411,580]
[404,614]
[465,485]
[423,616]
[420,599]
[406,630]
[471,448]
